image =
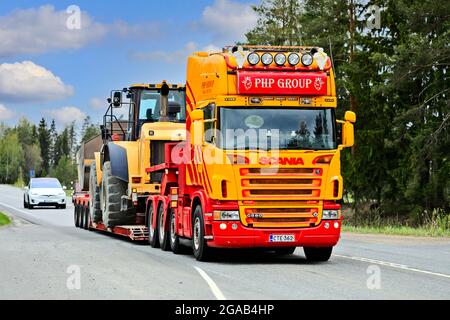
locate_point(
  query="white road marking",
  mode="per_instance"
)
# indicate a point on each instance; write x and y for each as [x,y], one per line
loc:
[14,208]
[393,265]
[212,285]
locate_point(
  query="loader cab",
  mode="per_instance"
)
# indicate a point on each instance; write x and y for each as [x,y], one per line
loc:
[142,104]
[147,107]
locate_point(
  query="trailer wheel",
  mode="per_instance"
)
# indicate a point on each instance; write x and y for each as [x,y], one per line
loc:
[164,241]
[318,254]
[174,239]
[75,215]
[199,246]
[87,218]
[112,190]
[152,232]
[95,210]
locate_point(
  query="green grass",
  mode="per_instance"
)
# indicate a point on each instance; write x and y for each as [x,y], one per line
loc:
[399,230]
[4,219]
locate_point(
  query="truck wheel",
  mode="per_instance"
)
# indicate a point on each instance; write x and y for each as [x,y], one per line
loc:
[285,251]
[152,232]
[199,246]
[164,241]
[95,210]
[112,190]
[318,254]
[174,239]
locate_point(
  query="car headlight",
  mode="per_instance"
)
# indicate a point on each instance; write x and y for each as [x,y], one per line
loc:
[330,214]
[226,215]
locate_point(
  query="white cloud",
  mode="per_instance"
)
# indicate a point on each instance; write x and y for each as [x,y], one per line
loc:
[5,113]
[66,115]
[179,56]
[28,82]
[43,29]
[97,103]
[228,21]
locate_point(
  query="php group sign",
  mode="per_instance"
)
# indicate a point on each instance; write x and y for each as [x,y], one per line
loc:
[282,83]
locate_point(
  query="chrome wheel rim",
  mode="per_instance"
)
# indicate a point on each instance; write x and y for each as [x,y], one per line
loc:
[151,231]
[172,228]
[161,226]
[197,234]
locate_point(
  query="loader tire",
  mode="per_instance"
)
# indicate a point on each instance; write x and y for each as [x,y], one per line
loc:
[112,190]
[95,210]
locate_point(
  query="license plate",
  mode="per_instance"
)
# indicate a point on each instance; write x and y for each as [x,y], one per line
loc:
[282,238]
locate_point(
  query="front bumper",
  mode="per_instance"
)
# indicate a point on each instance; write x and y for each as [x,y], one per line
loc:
[243,237]
[47,201]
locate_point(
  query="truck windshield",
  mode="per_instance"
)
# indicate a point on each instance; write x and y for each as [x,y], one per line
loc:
[150,105]
[276,129]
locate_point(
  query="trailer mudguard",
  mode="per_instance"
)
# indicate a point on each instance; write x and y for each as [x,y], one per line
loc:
[117,155]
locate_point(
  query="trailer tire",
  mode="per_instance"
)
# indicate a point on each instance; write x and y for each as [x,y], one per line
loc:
[95,210]
[153,238]
[75,215]
[164,241]
[173,237]
[87,217]
[199,246]
[112,190]
[318,254]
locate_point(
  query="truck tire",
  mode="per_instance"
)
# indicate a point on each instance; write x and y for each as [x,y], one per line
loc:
[199,246]
[95,210]
[173,237]
[153,238]
[163,234]
[112,190]
[318,254]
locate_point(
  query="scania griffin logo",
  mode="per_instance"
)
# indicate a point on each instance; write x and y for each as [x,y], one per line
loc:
[247,82]
[280,161]
[318,84]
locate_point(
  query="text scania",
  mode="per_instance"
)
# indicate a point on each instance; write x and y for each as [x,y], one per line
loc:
[280,161]
[283,83]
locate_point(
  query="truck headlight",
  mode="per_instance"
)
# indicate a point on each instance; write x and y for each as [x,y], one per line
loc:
[226,215]
[330,214]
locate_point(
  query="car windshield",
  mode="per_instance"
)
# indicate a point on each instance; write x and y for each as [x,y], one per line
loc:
[277,129]
[150,105]
[45,184]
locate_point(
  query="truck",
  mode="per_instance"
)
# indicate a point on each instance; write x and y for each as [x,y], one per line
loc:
[259,165]
[113,184]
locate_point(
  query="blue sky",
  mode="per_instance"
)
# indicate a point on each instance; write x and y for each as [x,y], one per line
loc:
[48,70]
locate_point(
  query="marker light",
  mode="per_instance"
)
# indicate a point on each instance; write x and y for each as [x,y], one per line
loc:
[307,59]
[280,59]
[293,59]
[267,59]
[253,59]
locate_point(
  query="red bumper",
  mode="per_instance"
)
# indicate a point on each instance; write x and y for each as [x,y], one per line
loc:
[243,237]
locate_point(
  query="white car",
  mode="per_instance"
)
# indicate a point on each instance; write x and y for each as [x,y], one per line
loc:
[44,192]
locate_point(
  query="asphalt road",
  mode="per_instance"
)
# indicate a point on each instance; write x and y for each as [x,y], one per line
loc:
[42,253]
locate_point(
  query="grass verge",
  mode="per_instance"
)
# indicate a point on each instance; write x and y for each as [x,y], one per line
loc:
[399,230]
[4,219]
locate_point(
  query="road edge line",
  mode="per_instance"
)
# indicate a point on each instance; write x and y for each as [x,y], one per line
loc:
[212,285]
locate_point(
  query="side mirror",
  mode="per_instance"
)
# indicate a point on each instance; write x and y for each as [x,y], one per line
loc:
[350,116]
[64,188]
[26,188]
[196,130]
[348,134]
[117,99]
[197,115]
